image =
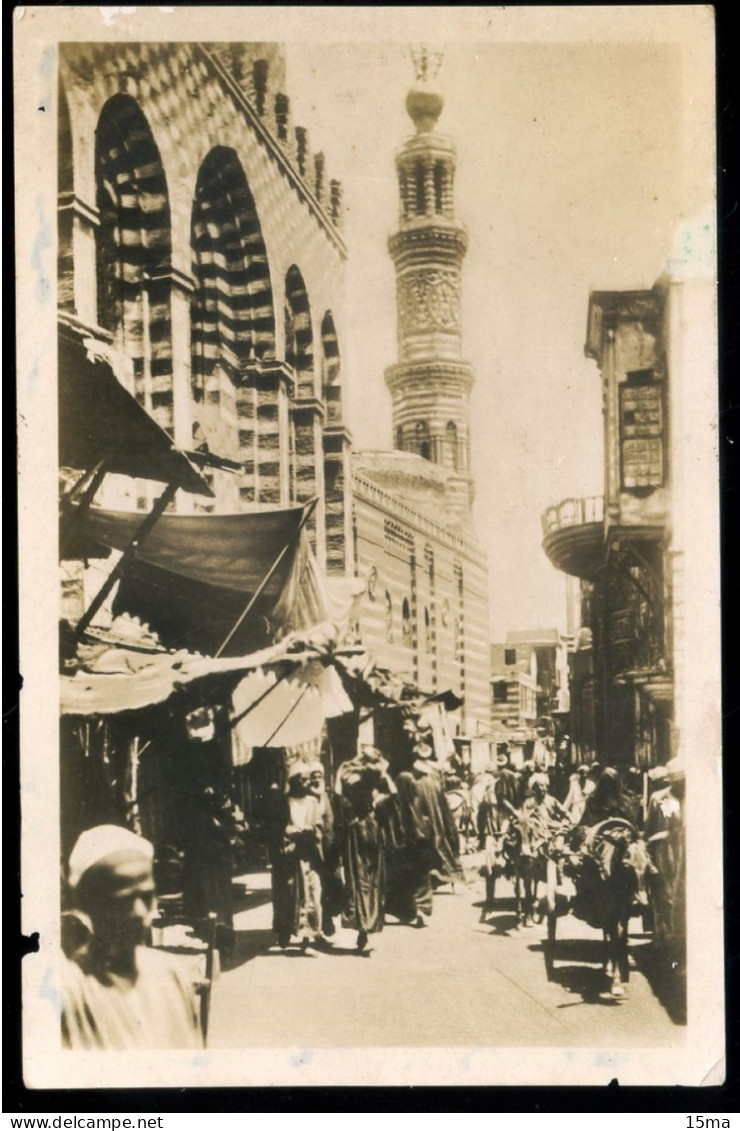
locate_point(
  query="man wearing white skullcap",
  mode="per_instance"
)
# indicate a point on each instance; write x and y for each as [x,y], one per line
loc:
[116,992]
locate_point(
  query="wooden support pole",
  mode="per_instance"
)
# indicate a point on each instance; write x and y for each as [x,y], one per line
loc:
[250,605]
[129,553]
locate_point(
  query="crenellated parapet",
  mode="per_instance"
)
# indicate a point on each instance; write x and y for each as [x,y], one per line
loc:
[259,71]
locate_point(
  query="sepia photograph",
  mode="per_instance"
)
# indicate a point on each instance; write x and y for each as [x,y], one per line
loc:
[369,546]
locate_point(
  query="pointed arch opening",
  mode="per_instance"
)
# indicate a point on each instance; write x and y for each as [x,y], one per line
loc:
[331,370]
[451,449]
[233,319]
[422,440]
[298,332]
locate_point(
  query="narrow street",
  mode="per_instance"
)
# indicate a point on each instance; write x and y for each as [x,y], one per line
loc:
[462,981]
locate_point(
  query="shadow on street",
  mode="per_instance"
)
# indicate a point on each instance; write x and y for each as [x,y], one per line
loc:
[667,984]
[246,946]
[577,966]
[246,899]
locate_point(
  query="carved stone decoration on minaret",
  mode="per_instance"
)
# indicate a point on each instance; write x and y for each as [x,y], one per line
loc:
[430,384]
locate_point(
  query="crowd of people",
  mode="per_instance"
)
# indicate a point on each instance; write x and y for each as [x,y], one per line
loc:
[520,811]
[371,845]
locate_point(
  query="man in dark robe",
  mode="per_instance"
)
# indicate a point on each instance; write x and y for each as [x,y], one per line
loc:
[361,784]
[409,843]
[446,866]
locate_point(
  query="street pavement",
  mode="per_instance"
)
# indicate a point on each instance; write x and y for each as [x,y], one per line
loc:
[470,978]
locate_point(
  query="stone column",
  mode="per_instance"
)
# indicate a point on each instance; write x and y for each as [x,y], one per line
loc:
[181,290]
[79,221]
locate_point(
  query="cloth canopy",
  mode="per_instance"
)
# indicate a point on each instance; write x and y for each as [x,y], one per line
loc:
[280,696]
[123,680]
[112,679]
[99,419]
[194,575]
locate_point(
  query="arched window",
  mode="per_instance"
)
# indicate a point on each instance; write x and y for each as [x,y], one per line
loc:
[423,443]
[439,183]
[133,250]
[331,370]
[406,623]
[388,618]
[419,189]
[451,445]
[427,630]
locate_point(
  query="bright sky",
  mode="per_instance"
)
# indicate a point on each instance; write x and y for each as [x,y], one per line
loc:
[571,175]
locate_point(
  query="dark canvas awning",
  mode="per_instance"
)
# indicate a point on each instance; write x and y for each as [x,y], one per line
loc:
[226,551]
[99,419]
[193,576]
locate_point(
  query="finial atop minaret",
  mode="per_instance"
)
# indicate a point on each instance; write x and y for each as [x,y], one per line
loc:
[426,63]
[424,103]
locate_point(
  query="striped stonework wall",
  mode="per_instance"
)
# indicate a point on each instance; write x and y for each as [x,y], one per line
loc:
[399,544]
[189,235]
[336,444]
[134,250]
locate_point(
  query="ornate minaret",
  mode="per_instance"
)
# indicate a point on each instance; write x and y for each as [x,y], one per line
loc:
[430,384]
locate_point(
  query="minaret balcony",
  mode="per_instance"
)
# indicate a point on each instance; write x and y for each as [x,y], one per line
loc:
[573,536]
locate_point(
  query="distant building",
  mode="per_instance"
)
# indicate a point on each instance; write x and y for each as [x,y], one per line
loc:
[514,691]
[529,682]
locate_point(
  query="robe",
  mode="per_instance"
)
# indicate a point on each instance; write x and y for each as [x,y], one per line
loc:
[363,856]
[409,844]
[296,865]
[103,1011]
[445,866]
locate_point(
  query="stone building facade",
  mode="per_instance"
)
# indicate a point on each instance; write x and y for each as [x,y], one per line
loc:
[626,547]
[199,244]
[426,611]
[200,249]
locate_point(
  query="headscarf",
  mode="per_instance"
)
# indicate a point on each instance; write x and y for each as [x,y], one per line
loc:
[606,800]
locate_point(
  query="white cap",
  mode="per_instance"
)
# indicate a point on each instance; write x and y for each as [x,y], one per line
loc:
[96,844]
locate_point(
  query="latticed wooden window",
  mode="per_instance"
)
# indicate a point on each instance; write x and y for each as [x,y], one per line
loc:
[641,427]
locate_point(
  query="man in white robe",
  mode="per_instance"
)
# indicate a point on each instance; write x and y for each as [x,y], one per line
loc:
[116,992]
